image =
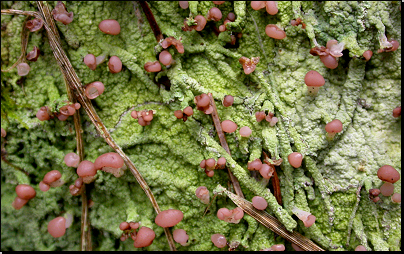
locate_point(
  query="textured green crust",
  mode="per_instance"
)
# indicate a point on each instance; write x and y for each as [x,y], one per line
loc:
[335,177]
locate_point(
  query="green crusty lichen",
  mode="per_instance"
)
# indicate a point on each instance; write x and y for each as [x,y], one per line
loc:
[335,177]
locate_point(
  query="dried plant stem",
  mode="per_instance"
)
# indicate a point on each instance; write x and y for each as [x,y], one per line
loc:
[24,37]
[271,222]
[152,21]
[76,86]
[85,236]
[223,143]
[274,180]
[15,167]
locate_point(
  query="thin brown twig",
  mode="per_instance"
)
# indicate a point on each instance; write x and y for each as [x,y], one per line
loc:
[152,21]
[85,236]
[274,179]
[14,166]
[77,87]
[223,143]
[24,39]
[271,222]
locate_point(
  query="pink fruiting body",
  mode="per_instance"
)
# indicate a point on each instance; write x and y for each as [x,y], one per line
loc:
[271,7]
[111,163]
[367,55]
[188,111]
[260,116]
[387,189]
[124,225]
[256,5]
[53,178]
[259,203]
[214,14]
[201,22]
[307,218]
[90,61]
[110,26]
[24,191]
[87,171]
[275,32]
[57,227]
[3,133]
[295,159]
[278,247]
[396,198]
[23,69]
[34,25]
[203,194]
[360,248]
[144,237]
[266,171]
[33,55]
[165,57]
[333,127]
[169,218]
[152,66]
[43,186]
[72,160]
[388,174]
[314,81]
[254,165]
[60,13]
[114,64]
[228,100]
[397,112]
[231,216]
[245,131]
[218,240]
[329,61]
[180,236]
[183,4]
[94,89]
[229,126]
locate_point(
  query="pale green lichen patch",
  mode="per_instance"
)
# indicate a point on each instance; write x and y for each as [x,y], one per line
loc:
[168,151]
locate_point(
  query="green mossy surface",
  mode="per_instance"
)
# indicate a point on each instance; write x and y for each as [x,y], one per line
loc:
[168,152]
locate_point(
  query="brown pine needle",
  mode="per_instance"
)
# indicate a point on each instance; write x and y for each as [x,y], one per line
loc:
[152,21]
[223,143]
[275,178]
[210,203]
[271,222]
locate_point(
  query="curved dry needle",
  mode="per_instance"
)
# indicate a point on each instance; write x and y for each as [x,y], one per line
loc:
[270,222]
[207,208]
[223,143]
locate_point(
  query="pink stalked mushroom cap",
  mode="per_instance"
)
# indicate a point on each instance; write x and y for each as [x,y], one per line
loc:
[229,126]
[110,26]
[180,236]
[24,191]
[259,203]
[110,162]
[72,160]
[90,61]
[169,218]
[218,240]
[144,237]
[114,64]
[57,227]
[275,32]
[87,171]
[295,159]
[388,174]
[203,194]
